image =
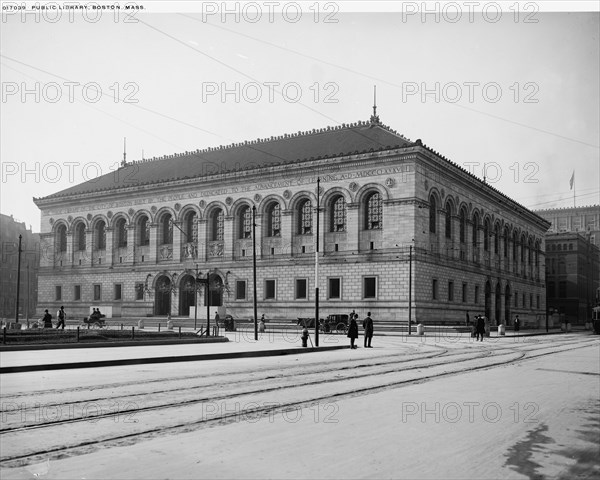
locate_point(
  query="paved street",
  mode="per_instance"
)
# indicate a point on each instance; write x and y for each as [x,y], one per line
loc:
[411,407]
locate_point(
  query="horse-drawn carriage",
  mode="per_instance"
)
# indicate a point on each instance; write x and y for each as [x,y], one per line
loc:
[95,320]
[336,322]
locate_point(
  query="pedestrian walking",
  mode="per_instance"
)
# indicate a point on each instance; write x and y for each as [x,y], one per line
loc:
[468,320]
[368,328]
[261,324]
[479,327]
[517,323]
[61,315]
[352,331]
[47,319]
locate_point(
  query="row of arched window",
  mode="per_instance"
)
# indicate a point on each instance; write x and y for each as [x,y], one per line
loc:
[496,237]
[271,220]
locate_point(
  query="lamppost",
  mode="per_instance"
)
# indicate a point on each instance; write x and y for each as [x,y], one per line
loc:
[410,288]
[196,282]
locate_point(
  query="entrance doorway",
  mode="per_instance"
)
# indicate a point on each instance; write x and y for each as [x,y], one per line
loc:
[186,295]
[162,297]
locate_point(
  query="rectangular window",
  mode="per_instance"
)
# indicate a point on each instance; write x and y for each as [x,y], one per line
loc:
[139,291]
[370,287]
[537,302]
[531,300]
[434,289]
[464,293]
[523,301]
[118,291]
[77,292]
[450,291]
[58,293]
[516,299]
[334,290]
[269,289]
[97,292]
[240,290]
[476,294]
[301,289]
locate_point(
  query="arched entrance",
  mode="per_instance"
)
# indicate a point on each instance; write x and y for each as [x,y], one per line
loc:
[162,297]
[507,305]
[488,300]
[216,290]
[186,295]
[497,304]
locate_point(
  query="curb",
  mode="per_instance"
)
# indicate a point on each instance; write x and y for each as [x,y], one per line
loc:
[125,343]
[170,359]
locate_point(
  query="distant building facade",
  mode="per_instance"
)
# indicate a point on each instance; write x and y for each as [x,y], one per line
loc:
[10,229]
[583,220]
[573,266]
[134,240]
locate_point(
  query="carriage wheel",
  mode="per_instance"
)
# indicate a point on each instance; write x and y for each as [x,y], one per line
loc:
[341,327]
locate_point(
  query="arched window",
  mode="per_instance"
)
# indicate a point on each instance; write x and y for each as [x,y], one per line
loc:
[274,220]
[61,238]
[338,214]
[305,218]
[496,238]
[144,230]
[100,234]
[80,235]
[486,234]
[475,237]
[448,221]
[217,224]
[245,220]
[432,214]
[166,229]
[523,246]
[515,246]
[121,233]
[463,226]
[191,227]
[374,212]
[529,251]
[505,242]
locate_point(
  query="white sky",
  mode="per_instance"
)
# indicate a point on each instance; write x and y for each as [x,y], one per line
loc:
[542,126]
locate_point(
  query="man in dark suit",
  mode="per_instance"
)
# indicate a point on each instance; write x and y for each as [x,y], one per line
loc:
[480,327]
[368,328]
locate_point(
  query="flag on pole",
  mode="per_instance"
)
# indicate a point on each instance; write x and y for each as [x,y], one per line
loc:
[572,180]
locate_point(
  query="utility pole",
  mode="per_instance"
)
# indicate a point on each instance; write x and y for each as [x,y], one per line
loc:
[196,296]
[254,271]
[18,280]
[409,288]
[317,269]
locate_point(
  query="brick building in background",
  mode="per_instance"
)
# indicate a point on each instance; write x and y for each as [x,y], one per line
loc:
[130,242]
[573,269]
[10,229]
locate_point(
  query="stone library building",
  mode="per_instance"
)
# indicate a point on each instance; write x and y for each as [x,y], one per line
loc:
[398,224]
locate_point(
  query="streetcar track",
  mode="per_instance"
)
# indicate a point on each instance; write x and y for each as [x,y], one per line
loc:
[528,353]
[128,397]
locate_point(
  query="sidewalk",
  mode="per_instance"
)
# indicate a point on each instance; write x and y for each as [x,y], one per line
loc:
[238,346]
